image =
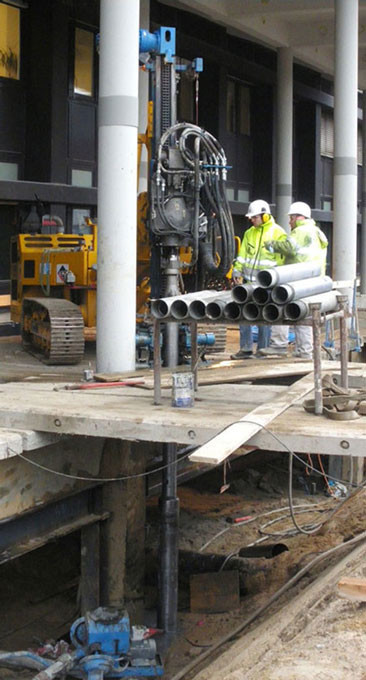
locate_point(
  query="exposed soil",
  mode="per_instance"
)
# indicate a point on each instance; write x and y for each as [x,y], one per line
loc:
[39,592]
[262,479]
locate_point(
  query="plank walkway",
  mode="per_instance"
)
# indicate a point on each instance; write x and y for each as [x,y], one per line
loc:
[129,413]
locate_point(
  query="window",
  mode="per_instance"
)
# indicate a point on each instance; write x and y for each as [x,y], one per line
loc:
[82,178]
[327,204]
[9,42]
[359,145]
[237,108]
[327,134]
[9,170]
[79,226]
[327,137]
[244,110]
[84,62]
[230,106]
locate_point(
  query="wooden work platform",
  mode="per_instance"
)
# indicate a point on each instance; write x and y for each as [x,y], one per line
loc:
[129,412]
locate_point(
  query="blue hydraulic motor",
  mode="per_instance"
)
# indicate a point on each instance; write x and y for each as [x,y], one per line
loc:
[106,646]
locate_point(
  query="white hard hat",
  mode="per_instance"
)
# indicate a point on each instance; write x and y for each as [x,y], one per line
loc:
[299,208]
[258,208]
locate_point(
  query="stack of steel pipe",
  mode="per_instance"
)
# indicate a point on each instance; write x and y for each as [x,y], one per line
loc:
[279,294]
[292,289]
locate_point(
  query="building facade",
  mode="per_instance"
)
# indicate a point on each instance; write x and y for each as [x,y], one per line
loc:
[49,103]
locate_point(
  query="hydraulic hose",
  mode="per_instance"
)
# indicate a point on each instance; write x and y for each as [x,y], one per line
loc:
[205,173]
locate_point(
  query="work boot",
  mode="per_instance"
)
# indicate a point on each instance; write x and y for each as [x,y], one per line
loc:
[242,354]
[302,355]
[273,352]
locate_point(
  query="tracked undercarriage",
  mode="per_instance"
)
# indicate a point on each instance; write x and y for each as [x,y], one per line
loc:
[53,330]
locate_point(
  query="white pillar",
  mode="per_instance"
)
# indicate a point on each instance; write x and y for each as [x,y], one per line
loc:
[284,135]
[363,202]
[143,97]
[117,185]
[345,140]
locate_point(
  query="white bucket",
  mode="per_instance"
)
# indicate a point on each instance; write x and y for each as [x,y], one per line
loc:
[183,389]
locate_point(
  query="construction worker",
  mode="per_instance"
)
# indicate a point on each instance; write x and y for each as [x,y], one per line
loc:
[252,257]
[306,243]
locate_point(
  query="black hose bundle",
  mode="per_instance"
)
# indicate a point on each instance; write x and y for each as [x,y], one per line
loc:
[201,184]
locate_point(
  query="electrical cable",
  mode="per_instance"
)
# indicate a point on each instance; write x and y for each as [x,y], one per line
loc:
[292,581]
[277,534]
[324,475]
[186,452]
[254,519]
[306,529]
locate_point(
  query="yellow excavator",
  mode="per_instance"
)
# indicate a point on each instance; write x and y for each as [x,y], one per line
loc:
[184,218]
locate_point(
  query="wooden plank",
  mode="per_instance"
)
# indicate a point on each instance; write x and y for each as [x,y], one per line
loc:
[229,440]
[352,588]
[19,549]
[129,413]
[229,372]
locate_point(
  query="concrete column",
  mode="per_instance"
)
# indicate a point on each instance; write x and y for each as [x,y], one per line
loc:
[345,140]
[117,172]
[284,135]
[143,98]
[363,208]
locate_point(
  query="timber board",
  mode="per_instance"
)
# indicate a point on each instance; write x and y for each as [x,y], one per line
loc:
[228,372]
[129,413]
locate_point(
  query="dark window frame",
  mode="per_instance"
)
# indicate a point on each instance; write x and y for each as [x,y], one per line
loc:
[95,79]
[17,81]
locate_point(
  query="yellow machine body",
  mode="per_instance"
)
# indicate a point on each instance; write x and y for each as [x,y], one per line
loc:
[55,266]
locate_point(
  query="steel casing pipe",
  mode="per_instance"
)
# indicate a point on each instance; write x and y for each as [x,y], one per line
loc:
[300,309]
[232,311]
[161,307]
[267,278]
[272,312]
[197,310]
[181,309]
[261,295]
[251,311]
[215,308]
[286,292]
[243,292]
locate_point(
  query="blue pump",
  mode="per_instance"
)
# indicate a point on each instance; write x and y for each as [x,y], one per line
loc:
[106,646]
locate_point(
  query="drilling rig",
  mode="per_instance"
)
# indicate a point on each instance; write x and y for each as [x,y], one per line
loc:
[185,235]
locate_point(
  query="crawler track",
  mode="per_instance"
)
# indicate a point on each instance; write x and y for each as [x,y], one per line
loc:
[53,330]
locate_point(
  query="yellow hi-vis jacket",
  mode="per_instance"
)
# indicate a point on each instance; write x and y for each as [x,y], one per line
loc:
[253,255]
[306,243]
